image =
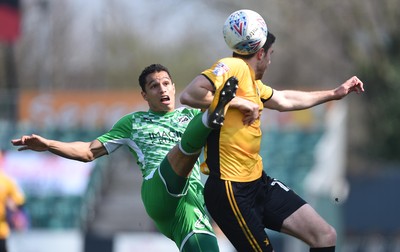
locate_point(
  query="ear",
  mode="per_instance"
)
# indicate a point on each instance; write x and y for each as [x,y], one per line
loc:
[260,54]
[144,95]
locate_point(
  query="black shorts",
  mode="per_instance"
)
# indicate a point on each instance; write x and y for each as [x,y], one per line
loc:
[244,210]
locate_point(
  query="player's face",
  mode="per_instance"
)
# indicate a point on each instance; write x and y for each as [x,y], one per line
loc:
[159,92]
[263,64]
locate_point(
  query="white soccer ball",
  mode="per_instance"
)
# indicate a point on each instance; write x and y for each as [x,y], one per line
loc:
[245,31]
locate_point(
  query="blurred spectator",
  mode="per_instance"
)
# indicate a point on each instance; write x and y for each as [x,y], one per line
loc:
[11,202]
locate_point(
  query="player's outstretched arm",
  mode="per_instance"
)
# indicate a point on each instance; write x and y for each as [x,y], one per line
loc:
[290,100]
[81,151]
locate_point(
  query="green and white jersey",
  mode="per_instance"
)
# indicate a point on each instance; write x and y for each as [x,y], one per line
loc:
[149,136]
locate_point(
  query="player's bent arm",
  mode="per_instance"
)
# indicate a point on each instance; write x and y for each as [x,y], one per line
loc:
[198,94]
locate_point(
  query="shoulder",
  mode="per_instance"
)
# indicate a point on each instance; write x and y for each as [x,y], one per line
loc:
[261,84]
[226,67]
[133,115]
[229,64]
[129,119]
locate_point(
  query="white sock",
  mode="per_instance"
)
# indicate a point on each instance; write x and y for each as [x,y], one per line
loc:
[204,119]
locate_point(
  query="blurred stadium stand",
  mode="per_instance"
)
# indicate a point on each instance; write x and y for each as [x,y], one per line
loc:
[288,155]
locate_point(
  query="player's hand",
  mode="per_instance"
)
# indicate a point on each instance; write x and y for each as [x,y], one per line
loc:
[250,110]
[32,142]
[351,85]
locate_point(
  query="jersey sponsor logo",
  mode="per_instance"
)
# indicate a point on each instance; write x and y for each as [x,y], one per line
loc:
[183,119]
[163,137]
[220,69]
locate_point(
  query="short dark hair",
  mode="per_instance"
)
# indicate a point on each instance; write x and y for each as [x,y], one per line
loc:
[153,68]
[270,40]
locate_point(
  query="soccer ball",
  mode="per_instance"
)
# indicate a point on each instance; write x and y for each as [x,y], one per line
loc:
[245,31]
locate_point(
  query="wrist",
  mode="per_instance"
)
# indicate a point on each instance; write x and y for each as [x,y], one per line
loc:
[336,94]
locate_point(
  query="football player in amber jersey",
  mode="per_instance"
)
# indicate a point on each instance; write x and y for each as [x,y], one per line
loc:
[11,199]
[239,196]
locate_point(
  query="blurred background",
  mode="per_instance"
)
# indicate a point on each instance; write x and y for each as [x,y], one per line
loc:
[69,70]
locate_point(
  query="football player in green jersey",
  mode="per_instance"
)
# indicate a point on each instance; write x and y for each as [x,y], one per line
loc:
[172,191]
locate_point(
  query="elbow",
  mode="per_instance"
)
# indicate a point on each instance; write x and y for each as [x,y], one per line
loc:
[195,101]
[84,159]
[288,109]
[87,158]
[281,109]
[185,99]
[278,107]
[284,107]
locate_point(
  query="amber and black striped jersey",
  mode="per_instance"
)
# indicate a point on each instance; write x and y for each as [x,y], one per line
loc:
[232,153]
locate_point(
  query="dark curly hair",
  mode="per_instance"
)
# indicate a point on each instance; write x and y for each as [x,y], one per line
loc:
[153,68]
